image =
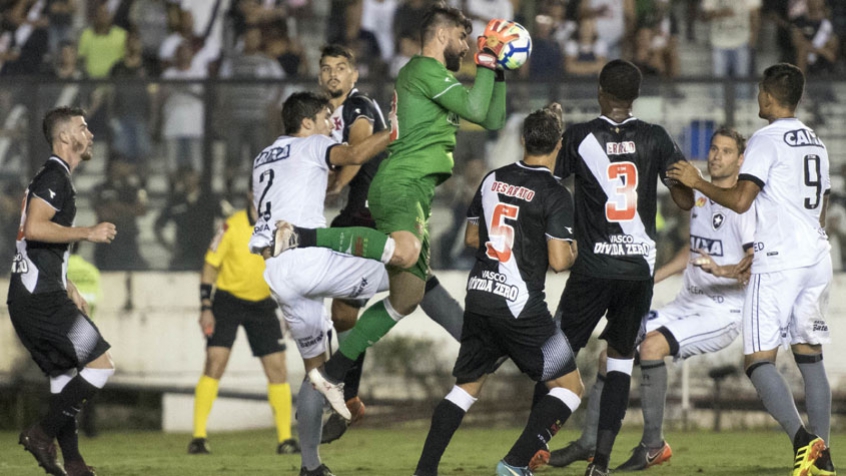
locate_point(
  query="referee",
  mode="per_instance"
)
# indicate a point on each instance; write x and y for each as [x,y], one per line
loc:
[242,298]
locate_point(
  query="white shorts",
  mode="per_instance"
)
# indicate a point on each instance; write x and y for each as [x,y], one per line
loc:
[300,279]
[699,325]
[787,307]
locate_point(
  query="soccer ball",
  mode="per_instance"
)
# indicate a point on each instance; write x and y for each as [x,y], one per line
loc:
[517,52]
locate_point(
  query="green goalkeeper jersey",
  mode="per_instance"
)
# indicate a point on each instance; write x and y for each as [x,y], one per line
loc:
[427,105]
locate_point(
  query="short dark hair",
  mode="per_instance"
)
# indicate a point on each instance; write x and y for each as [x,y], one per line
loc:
[542,130]
[299,106]
[621,79]
[335,51]
[785,82]
[731,133]
[57,117]
[438,15]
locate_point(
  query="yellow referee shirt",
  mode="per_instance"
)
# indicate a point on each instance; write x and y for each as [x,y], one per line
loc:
[240,272]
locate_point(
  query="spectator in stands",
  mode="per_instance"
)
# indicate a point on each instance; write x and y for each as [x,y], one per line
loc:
[183,111]
[120,199]
[183,33]
[150,19]
[408,47]
[479,12]
[656,39]
[130,107]
[407,20]
[28,38]
[249,107]
[615,22]
[60,16]
[11,194]
[288,51]
[208,26]
[563,26]
[734,33]
[193,213]
[547,60]
[246,14]
[67,64]
[102,44]
[586,53]
[814,40]
[377,18]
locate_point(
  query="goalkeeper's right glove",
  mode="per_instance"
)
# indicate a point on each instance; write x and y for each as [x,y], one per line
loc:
[485,57]
[494,38]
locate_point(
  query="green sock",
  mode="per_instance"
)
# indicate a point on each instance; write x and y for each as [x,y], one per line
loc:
[355,240]
[371,326]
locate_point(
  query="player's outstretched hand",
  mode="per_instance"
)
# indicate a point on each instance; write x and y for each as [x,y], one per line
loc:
[685,173]
[707,263]
[78,300]
[102,233]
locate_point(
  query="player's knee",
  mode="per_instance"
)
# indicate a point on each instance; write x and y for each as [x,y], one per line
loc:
[407,250]
[344,315]
[571,381]
[654,347]
[215,366]
[96,376]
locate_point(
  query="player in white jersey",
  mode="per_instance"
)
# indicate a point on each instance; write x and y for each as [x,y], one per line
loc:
[289,183]
[786,175]
[704,317]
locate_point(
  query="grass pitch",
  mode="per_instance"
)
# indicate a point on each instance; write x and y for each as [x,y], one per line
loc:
[394,452]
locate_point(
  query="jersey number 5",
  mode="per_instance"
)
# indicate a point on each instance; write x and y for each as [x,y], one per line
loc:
[622,205]
[501,235]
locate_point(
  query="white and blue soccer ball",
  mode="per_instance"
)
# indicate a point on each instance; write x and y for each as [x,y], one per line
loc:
[516,52]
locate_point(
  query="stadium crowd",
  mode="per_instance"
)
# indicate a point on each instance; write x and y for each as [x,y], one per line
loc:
[169,83]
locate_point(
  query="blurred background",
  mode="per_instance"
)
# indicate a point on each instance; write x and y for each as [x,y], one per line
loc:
[182,94]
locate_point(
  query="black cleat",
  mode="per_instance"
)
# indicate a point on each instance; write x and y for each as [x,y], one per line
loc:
[199,446]
[823,465]
[643,457]
[321,470]
[79,468]
[288,447]
[569,454]
[592,470]
[334,428]
[43,449]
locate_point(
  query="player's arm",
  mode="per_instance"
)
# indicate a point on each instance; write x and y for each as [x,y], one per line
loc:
[472,104]
[734,271]
[674,266]
[495,119]
[39,227]
[357,154]
[737,198]
[824,208]
[208,276]
[562,254]
[360,130]
[77,298]
[682,195]
[471,234]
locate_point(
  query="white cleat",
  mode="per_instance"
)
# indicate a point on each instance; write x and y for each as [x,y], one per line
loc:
[334,393]
[284,238]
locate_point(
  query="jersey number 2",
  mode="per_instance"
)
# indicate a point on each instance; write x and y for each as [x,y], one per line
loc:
[264,207]
[622,206]
[500,233]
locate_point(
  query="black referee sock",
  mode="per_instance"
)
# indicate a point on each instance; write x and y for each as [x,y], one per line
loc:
[353,378]
[306,237]
[615,399]
[445,421]
[546,419]
[65,405]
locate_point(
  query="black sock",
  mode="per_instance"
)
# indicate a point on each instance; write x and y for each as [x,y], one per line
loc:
[337,367]
[540,391]
[353,378]
[68,439]
[546,419]
[615,399]
[65,405]
[307,236]
[445,421]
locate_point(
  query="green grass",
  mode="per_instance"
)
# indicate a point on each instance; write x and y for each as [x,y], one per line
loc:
[394,452]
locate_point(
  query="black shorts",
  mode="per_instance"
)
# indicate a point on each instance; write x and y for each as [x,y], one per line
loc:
[623,303]
[264,331]
[535,344]
[55,332]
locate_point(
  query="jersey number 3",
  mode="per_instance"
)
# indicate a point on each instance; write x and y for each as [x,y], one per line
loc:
[622,204]
[501,235]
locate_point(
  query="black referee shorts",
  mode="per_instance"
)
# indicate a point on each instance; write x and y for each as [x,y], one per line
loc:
[264,331]
[534,343]
[55,332]
[623,303]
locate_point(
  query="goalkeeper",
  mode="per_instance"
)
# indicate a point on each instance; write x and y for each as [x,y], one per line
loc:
[427,105]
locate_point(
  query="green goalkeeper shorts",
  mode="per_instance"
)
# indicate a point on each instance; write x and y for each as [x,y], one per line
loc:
[404,206]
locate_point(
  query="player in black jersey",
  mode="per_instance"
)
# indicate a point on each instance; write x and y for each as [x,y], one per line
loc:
[616,160]
[48,313]
[356,117]
[520,223]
